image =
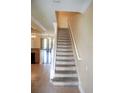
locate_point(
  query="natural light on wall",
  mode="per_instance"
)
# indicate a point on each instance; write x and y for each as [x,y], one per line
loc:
[33,36]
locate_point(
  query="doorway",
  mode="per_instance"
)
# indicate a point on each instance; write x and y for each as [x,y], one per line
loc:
[46,50]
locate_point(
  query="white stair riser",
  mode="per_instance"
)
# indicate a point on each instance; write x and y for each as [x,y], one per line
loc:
[65,68]
[65,83]
[70,49]
[58,57]
[65,63]
[63,46]
[65,75]
[64,53]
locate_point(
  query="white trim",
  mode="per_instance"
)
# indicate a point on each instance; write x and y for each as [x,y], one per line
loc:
[77,54]
[52,72]
[55,27]
[38,23]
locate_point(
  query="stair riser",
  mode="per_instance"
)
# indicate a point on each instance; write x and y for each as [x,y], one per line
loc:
[65,57]
[66,68]
[66,75]
[70,84]
[64,46]
[65,60]
[63,53]
[63,41]
[65,63]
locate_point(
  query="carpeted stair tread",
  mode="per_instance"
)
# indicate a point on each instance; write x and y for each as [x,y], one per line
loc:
[65,68]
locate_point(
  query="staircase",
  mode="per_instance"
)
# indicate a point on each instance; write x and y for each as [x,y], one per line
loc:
[65,68]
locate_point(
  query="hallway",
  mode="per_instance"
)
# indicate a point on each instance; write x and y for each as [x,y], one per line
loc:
[40,82]
[67,68]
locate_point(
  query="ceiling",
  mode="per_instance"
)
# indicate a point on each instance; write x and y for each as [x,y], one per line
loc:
[43,12]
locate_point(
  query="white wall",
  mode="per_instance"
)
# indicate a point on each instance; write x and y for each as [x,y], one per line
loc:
[82,28]
[44,10]
[35,41]
[62,20]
